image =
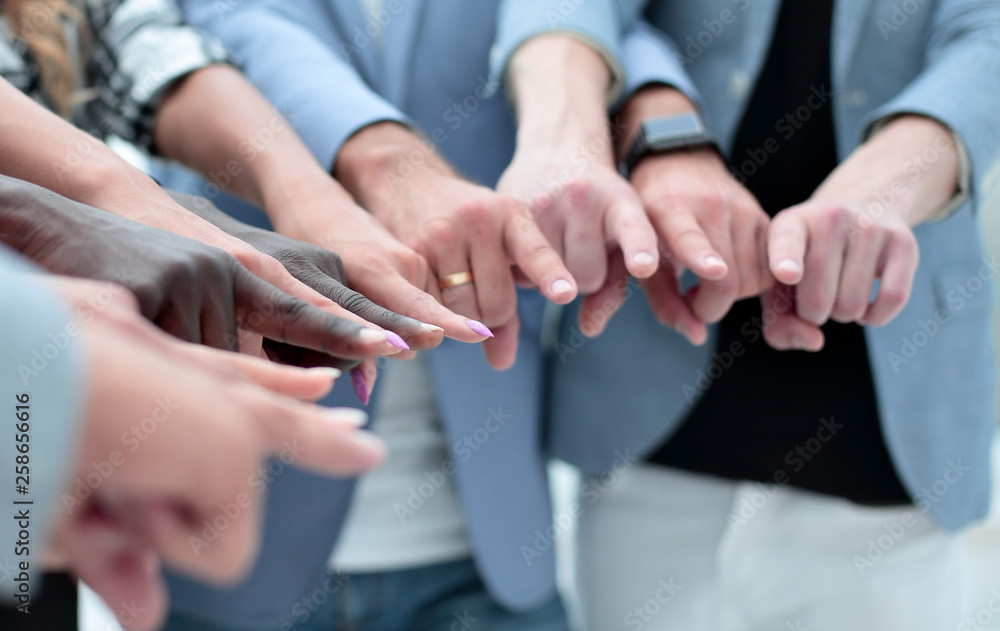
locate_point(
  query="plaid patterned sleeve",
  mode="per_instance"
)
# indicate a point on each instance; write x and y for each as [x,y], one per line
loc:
[138,49]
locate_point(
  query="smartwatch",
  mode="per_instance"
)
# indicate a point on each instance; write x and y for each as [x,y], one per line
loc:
[659,135]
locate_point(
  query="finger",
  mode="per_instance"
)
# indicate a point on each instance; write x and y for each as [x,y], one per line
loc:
[528,249]
[628,226]
[689,244]
[329,443]
[857,276]
[496,294]
[817,291]
[299,383]
[597,309]
[712,299]
[264,309]
[118,568]
[662,291]
[175,530]
[896,284]
[396,293]
[783,329]
[583,239]
[501,350]
[749,240]
[787,239]
[462,298]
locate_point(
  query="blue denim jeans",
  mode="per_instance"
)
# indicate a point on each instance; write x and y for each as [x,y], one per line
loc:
[446,597]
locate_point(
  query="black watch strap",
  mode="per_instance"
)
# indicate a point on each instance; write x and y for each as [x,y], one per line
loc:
[669,133]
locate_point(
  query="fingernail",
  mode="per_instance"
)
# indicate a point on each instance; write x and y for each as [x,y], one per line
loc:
[788,265]
[479,328]
[396,341]
[643,258]
[346,416]
[798,343]
[360,385]
[561,286]
[371,336]
[714,261]
[368,441]
[326,370]
[431,327]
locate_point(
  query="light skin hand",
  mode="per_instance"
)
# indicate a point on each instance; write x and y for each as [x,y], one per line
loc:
[51,153]
[708,223]
[457,227]
[856,228]
[147,511]
[564,171]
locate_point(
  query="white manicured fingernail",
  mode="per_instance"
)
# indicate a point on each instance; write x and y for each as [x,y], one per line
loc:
[371,336]
[788,265]
[561,286]
[714,261]
[346,416]
[431,327]
[368,442]
[326,370]
[643,258]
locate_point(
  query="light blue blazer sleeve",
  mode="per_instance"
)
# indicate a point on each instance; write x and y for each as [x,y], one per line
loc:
[960,83]
[638,52]
[313,85]
[652,57]
[40,366]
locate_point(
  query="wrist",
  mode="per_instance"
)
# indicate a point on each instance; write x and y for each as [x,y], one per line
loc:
[891,171]
[653,101]
[379,155]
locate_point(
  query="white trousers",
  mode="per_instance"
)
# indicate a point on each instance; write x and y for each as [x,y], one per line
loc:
[665,549]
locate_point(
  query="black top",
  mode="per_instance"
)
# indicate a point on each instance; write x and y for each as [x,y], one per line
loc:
[806,419]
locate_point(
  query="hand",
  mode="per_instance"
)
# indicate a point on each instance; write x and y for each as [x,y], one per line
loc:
[153,507]
[196,292]
[856,228]
[590,215]
[709,224]
[564,171]
[831,254]
[457,227]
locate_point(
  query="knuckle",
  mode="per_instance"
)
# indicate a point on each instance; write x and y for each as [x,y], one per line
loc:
[893,297]
[579,191]
[439,231]
[475,213]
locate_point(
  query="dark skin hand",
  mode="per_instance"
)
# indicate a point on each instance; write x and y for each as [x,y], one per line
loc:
[193,291]
[317,268]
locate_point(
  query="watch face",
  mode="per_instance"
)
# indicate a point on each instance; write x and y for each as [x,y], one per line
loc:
[672,129]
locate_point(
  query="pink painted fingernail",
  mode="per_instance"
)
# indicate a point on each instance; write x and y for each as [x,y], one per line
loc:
[360,385]
[479,328]
[396,341]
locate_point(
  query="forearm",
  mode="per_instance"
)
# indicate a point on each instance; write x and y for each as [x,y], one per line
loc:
[909,167]
[216,123]
[558,86]
[42,148]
